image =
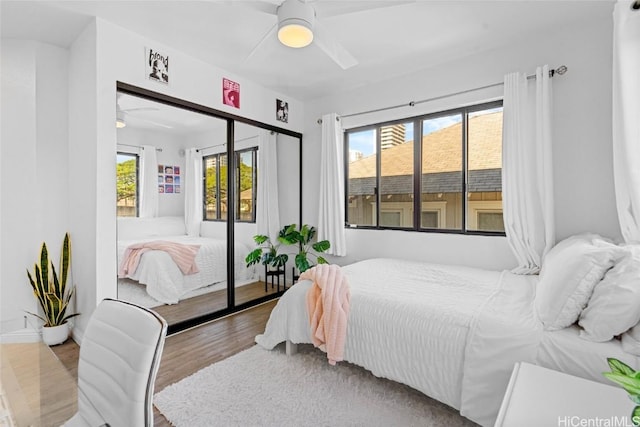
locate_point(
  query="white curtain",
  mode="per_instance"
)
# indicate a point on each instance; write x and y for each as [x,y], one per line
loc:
[148,182]
[193,201]
[267,209]
[527,178]
[626,118]
[331,217]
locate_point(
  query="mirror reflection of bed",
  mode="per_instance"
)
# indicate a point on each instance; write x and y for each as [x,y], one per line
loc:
[172,241]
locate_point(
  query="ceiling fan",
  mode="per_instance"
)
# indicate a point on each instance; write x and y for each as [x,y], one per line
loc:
[122,114]
[299,23]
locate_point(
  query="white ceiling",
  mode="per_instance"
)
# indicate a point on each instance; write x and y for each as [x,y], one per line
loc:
[388,40]
[141,113]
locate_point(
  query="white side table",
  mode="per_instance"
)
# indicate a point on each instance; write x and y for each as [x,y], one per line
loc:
[540,397]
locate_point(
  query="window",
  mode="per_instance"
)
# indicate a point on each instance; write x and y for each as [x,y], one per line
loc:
[451,181]
[246,185]
[215,187]
[127,184]
[215,191]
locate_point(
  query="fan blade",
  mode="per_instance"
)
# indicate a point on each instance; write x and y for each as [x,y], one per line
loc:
[325,41]
[264,38]
[140,109]
[345,8]
[162,125]
[266,6]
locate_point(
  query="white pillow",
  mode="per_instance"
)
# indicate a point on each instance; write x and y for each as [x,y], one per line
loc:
[614,307]
[570,271]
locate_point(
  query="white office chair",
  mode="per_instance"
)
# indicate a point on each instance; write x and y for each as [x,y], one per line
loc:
[119,359]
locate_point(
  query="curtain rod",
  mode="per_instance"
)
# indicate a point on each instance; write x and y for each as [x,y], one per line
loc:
[137,146]
[224,143]
[560,70]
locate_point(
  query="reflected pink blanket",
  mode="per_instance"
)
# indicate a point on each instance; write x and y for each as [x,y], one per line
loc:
[183,255]
[328,309]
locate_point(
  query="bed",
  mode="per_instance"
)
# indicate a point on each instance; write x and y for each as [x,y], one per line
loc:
[156,270]
[451,332]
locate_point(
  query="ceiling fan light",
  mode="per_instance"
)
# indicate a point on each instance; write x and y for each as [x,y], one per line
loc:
[295,23]
[120,123]
[295,33]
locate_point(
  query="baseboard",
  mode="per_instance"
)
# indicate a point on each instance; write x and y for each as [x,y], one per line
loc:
[20,336]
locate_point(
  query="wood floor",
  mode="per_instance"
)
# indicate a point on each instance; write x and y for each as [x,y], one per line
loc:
[191,350]
[211,302]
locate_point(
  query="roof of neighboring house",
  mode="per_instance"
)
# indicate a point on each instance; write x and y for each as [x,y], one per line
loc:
[441,151]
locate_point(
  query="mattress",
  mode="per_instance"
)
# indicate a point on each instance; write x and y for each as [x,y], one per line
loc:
[565,351]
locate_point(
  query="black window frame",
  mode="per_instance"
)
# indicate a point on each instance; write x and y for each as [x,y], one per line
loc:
[417,170]
[236,193]
[254,183]
[137,197]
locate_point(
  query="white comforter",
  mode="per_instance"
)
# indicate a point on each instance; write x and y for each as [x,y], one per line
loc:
[451,332]
[164,280]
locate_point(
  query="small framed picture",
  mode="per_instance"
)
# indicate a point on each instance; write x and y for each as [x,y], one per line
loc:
[282,111]
[157,65]
[230,93]
[176,189]
[168,188]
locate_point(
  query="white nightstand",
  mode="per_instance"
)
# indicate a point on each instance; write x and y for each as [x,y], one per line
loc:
[540,397]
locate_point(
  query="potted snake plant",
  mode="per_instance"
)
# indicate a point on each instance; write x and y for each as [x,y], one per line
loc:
[52,293]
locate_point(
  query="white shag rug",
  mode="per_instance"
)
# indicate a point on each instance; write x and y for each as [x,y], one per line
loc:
[258,387]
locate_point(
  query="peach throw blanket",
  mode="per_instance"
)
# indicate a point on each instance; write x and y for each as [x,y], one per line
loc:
[183,255]
[328,309]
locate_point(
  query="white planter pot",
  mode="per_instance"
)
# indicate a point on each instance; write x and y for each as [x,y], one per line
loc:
[53,335]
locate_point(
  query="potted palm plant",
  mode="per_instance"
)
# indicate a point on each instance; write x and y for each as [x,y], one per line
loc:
[52,293]
[266,253]
[308,249]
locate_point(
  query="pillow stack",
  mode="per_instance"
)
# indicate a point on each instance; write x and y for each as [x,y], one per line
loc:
[569,274]
[614,307]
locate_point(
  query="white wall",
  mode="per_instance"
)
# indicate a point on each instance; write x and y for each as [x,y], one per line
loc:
[171,204]
[84,187]
[583,176]
[34,180]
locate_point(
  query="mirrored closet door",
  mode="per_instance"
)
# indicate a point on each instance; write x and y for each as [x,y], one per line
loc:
[166,259]
[194,188]
[266,179]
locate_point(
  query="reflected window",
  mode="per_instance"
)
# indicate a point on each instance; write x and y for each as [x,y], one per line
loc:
[215,187]
[246,179]
[215,176]
[127,185]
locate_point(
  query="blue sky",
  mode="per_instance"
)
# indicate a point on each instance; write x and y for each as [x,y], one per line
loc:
[122,158]
[365,141]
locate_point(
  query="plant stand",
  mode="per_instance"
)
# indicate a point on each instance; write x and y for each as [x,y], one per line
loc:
[274,275]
